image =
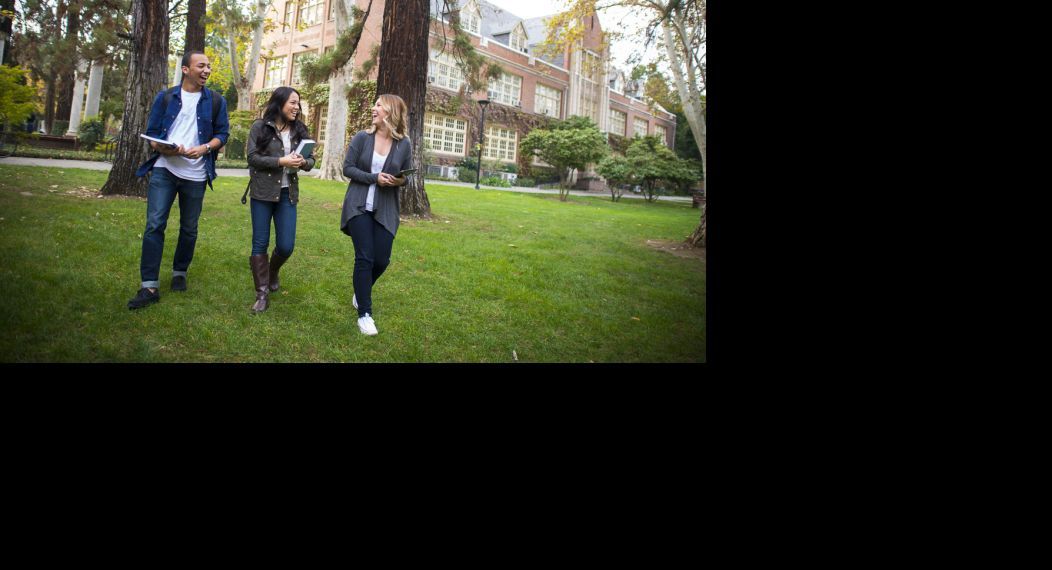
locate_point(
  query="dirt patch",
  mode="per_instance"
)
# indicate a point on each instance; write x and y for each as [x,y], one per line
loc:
[331,206]
[678,248]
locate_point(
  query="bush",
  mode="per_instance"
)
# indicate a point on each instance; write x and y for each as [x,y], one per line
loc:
[512,168]
[91,133]
[525,182]
[34,152]
[59,128]
[496,181]
[465,174]
[468,163]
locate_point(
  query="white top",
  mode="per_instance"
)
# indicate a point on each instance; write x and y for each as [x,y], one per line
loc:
[184,131]
[378,165]
[286,141]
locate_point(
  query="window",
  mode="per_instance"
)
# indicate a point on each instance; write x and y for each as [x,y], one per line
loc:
[518,39]
[323,121]
[618,121]
[662,132]
[445,134]
[507,89]
[310,12]
[639,127]
[290,16]
[590,72]
[547,101]
[471,18]
[297,65]
[444,71]
[500,144]
[332,9]
[276,72]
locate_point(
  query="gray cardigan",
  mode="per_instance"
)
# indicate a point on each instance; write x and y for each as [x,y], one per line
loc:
[358,166]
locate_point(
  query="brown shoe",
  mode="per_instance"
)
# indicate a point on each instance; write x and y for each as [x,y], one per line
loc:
[260,275]
[276,261]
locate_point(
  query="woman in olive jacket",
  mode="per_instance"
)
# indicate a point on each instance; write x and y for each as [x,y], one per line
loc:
[374,160]
[273,167]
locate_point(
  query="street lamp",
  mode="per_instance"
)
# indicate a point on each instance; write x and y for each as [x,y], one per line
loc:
[482,132]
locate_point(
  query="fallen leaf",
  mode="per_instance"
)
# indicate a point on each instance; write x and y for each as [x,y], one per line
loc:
[512,245]
[636,318]
[514,356]
[54,185]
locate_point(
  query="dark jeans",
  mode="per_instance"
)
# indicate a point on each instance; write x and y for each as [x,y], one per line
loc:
[283,212]
[164,187]
[372,254]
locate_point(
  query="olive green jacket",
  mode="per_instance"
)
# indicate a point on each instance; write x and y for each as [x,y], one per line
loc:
[263,168]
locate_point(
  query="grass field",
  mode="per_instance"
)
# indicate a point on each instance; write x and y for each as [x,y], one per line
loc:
[494,272]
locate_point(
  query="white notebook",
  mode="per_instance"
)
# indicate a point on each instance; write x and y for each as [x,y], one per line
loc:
[160,141]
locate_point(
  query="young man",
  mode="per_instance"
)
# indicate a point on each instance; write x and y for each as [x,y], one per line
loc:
[195,119]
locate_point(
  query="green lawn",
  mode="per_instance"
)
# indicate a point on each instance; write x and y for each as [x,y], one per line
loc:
[493,272]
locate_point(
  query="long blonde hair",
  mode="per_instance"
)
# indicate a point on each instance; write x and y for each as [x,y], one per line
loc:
[396,113]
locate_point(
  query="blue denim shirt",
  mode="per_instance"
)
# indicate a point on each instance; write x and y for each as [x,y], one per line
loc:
[161,120]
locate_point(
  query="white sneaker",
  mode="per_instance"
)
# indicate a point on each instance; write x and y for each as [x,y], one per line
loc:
[366,325]
[354,301]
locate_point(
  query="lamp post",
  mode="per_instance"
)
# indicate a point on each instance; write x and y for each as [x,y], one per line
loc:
[482,133]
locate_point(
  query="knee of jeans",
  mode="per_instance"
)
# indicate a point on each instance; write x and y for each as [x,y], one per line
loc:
[363,262]
[381,264]
[155,224]
[284,251]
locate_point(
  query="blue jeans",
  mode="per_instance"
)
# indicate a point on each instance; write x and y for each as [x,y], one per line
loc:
[372,255]
[283,212]
[164,187]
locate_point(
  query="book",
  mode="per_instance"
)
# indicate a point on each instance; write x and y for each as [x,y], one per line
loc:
[305,148]
[160,141]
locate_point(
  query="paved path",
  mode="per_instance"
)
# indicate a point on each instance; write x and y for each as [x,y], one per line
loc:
[90,165]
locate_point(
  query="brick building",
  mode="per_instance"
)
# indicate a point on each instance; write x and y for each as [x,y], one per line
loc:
[534,88]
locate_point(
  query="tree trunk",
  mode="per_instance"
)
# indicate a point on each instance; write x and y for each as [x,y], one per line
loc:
[243,82]
[49,105]
[403,72]
[147,74]
[336,127]
[195,26]
[68,77]
[697,239]
[686,86]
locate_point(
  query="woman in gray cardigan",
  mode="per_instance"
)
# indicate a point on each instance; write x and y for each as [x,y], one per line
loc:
[274,180]
[370,207]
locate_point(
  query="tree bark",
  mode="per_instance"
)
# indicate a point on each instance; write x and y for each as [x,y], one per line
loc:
[243,82]
[697,239]
[403,72]
[336,127]
[147,74]
[195,26]
[68,81]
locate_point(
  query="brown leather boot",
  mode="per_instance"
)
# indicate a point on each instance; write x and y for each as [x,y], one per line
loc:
[276,261]
[260,275]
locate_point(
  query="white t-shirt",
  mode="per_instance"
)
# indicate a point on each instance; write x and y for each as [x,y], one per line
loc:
[286,141]
[378,165]
[184,131]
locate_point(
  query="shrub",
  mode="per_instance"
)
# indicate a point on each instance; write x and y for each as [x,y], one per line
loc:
[91,133]
[59,128]
[465,174]
[495,181]
[525,182]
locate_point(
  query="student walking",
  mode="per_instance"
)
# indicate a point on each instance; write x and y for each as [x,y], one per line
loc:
[370,207]
[274,182]
[195,120]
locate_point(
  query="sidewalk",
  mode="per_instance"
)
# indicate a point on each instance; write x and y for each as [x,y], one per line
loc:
[243,172]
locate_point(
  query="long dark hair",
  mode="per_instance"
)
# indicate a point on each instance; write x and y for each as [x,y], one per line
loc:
[297,130]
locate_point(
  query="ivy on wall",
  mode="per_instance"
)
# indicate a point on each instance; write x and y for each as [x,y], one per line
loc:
[360,98]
